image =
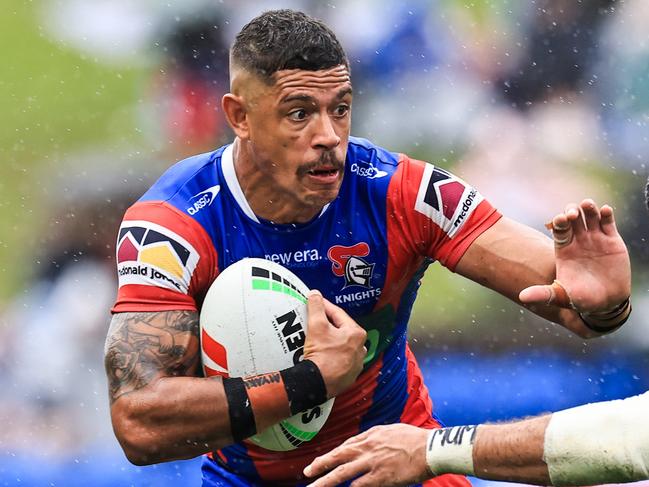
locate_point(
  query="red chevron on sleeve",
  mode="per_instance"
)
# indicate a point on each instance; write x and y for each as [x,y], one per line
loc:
[435,213]
[165,260]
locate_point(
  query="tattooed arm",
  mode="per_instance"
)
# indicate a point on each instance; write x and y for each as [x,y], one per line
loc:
[161,411]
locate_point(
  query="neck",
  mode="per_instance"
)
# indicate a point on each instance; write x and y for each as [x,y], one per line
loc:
[266,200]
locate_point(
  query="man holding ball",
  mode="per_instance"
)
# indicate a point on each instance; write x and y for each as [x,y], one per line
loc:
[349,218]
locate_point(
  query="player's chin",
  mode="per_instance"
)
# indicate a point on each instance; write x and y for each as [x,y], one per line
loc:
[322,192]
[320,198]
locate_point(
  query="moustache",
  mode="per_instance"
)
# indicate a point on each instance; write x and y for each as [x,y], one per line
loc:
[327,159]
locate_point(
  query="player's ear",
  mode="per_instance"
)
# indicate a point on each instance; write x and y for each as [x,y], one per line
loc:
[236,115]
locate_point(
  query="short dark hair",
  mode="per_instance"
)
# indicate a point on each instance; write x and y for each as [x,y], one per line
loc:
[286,39]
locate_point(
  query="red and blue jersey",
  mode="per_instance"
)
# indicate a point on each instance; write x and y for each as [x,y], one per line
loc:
[366,251]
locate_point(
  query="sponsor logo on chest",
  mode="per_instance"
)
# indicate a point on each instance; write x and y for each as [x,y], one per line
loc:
[367,170]
[202,200]
[297,257]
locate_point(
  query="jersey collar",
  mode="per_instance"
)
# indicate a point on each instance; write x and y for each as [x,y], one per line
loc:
[230,176]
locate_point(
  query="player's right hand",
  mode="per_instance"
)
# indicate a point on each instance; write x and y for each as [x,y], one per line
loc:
[335,343]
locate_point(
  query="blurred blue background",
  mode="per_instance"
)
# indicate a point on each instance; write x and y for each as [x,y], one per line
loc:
[535,103]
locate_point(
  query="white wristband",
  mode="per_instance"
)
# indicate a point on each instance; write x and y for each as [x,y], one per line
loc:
[450,450]
[599,443]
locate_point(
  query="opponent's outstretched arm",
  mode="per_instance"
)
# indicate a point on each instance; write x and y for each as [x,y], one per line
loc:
[581,281]
[161,411]
[598,443]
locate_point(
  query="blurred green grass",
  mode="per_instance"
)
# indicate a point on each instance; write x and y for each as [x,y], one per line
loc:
[53,102]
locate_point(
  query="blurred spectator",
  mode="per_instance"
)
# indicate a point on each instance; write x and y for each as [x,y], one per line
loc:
[530,153]
[184,44]
[623,87]
[52,363]
[527,165]
[561,45]
[192,80]
[400,59]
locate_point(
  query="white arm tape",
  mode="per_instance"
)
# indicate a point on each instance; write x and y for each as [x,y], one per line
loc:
[450,450]
[600,443]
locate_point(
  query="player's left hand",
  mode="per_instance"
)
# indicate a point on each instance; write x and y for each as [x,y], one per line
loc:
[391,455]
[592,261]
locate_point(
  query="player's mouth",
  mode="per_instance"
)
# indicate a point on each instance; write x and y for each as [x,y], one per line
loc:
[324,175]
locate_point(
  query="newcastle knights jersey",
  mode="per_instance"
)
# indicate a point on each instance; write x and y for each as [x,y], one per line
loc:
[366,251]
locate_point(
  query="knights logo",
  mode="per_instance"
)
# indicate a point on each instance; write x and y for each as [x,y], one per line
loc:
[358,272]
[348,262]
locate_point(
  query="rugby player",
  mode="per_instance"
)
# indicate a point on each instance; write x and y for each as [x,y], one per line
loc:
[351,219]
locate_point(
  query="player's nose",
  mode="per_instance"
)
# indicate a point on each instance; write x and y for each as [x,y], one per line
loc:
[325,135]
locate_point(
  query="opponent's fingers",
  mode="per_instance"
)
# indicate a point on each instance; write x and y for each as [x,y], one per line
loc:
[341,474]
[554,294]
[323,464]
[317,467]
[607,220]
[591,214]
[341,454]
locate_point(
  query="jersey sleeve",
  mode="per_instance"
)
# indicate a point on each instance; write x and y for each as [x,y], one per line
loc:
[438,214]
[165,260]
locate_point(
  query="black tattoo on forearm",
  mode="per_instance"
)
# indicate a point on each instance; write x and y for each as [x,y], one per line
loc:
[143,347]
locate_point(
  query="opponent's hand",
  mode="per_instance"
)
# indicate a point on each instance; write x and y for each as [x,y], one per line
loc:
[381,456]
[592,262]
[335,343]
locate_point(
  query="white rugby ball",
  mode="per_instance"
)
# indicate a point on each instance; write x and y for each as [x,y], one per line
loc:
[253,321]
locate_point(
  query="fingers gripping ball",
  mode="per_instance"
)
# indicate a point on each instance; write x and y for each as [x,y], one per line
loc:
[253,321]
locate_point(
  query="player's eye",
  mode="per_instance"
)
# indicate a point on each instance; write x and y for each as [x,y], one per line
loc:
[341,110]
[297,115]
